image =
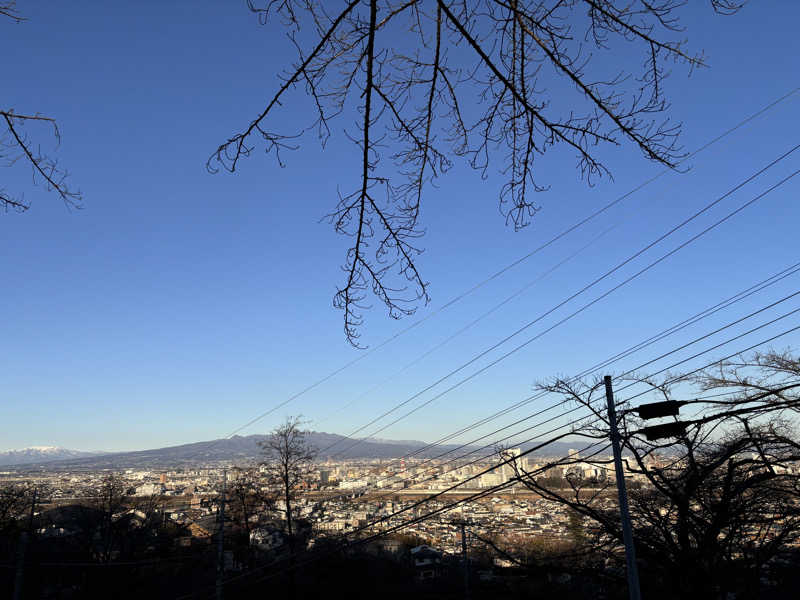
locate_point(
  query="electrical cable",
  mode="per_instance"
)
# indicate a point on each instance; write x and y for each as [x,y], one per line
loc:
[518,261]
[469,325]
[683,375]
[711,349]
[446,508]
[346,545]
[472,451]
[625,353]
[494,467]
[580,310]
[482,493]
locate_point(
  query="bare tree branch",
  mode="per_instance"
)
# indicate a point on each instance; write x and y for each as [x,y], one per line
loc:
[471,81]
[9,9]
[720,498]
[16,145]
[287,460]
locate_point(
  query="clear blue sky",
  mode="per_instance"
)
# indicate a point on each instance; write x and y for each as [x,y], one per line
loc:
[178,304]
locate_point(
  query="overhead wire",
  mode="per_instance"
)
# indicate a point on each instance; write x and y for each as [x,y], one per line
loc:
[718,361]
[518,261]
[708,144]
[510,266]
[497,274]
[749,291]
[345,544]
[494,489]
[471,324]
[546,466]
[471,450]
[582,308]
[625,353]
[780,275]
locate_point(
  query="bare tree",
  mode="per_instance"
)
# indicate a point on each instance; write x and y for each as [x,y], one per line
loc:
[18,146]
[288,462]
[719,500]
[436,80]
[765,377]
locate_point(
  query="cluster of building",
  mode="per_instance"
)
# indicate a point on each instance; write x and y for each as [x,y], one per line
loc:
[440,526]
[430,500]
[479,473]
[354,497]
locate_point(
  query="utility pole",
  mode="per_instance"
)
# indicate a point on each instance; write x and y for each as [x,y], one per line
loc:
[627,532]
[220,537]
[19,577]
[465,559]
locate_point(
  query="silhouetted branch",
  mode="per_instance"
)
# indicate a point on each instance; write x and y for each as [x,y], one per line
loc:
[9,9]
[417,67]
[720,496]
[16,145]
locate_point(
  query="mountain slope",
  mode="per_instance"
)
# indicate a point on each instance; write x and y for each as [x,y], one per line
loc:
[40,454]
[245,449]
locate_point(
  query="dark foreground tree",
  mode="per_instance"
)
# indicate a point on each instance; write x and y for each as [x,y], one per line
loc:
[288,458]
[720,503]
[20,145]
[287,465]
[436,80]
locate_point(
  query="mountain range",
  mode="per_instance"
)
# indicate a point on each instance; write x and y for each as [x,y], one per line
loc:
[41,454]
[241,449]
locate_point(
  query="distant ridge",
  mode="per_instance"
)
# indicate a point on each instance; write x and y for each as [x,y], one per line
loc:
[245,449]
[41,454]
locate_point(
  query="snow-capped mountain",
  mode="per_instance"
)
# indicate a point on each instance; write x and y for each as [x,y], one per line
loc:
[39,454]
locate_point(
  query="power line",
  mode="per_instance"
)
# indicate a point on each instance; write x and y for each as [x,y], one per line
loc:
[344,544]
[737,297]
[625,353]
[561,403]
[472,323]
[484,492]
[725,303]
[528,429]
[538,424]
[585,306]
[748,349]
[518,261]
[780,275]
[475,287]
[481,493]
[704,420]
